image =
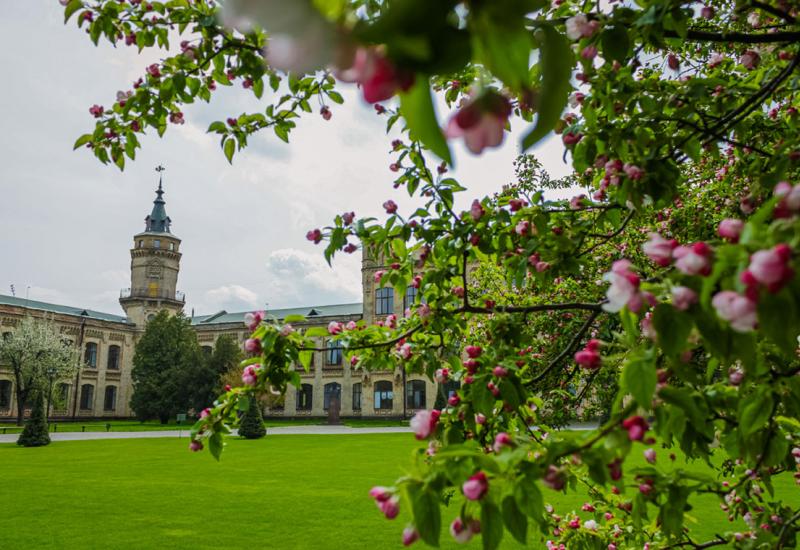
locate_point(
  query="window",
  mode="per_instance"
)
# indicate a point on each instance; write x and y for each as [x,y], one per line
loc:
[141,243]
[5,394]
[87,397]
[90,355]
[415,394]
[172,247]
[384,301]
[332,391]
[410,297]
[156,243]
[357,396]
[7,335]
[305,396]
[334,353]
[207,350]
[113,358]
[110,401]
[384,395]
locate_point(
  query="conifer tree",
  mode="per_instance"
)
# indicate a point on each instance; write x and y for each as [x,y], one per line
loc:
[252,426]
[35,432]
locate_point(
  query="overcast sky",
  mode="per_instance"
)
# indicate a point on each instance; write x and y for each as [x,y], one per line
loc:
[67,221]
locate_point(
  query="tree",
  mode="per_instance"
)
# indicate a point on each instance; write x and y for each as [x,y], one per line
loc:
[252,424]
[672,279]
[35,433]
[32,350]
[166,362]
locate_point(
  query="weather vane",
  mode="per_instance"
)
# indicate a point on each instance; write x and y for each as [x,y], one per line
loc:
[160,168]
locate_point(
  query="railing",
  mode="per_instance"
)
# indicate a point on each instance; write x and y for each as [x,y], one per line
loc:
[163,294]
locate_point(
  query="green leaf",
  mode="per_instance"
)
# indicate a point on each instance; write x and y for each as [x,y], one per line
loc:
[71,8]
[778,319]
[639,378]
[755,410]
[515,520]
[491,525]
[305,359]
[215,444]
[505,48]
[529,498]
[417,108]
[673,328]
[336,97]
[294,318]
[615,43]
[83,140]
[229,148]
[556,69]
[427,515]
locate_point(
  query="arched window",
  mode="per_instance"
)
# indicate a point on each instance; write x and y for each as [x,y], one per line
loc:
[7,335]
[87,397]
[113,358]
[357,396]
[384,395]
[5,395]
[410,297]
[384,301]
[305,397]
[334,354]
[332,391]
[90,355]
[415,394]
[207,350]
[110,400]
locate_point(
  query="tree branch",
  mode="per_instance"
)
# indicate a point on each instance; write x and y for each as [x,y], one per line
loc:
[570,346]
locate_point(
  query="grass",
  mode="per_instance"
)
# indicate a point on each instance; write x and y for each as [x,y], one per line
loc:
[281,492]
[153,425]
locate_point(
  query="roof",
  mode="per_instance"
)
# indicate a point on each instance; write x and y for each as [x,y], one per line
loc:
[336,310]
[158,221]
[64,310]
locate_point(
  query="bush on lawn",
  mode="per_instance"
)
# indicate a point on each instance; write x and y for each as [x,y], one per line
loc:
[35,432]
[252,426]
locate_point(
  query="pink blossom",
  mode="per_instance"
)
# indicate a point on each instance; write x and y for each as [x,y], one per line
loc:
[390,507]
[325,112]
[715,59]
[576,99]
[380,494]
[253,319]
[424,311]
[351,325]
[589,358]
[441,375]
[730,229]
[735,376]
[502,440]
[500,372]
[577,202]
[315,236]
[458,291]
[286,330]
[354,360]
[624,289]
[694,259]
[476,486]
[707,12]
[633,172]
[517,204]
[476,210]
[96,111]
[771,267]
[554,478]
[589,52]
[738,310]
[571,138]
[460,531]
[579,27]
[390,206]
[650,455]
[205,413]
[154,70]
[391,321]
[404,351]
[195,446]
[334,327]
[176,117]
[473,351]
[683,297]
[410,535]
[659,249]
[423,423]
[380,78]
[750,59]
[454,400]
[348,217]
[523,228]
[481,121]
[250,374]
[480,419]
[252,345]
[636,426]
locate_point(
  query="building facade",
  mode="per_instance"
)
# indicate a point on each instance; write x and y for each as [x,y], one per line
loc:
[102,387]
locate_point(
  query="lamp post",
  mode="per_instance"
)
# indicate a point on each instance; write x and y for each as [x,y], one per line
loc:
[51,374]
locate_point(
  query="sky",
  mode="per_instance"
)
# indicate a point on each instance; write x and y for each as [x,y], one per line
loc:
[67,221]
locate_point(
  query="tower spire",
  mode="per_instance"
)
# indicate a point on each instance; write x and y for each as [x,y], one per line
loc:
[158,221]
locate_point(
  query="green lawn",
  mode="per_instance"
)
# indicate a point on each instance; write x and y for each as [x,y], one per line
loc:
[282,492]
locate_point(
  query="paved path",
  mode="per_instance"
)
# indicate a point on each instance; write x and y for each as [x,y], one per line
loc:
[282,430]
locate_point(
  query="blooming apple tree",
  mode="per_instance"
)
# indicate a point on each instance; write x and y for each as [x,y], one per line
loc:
[671,280]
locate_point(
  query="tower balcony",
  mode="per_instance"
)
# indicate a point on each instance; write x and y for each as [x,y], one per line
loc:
[152,294]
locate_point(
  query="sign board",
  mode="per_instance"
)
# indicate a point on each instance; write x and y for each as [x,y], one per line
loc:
[181,418]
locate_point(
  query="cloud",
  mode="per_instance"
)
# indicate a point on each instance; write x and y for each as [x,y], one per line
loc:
[231,297]
[299,278]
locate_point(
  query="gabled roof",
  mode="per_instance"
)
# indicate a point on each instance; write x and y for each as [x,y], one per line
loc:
[63,310]
[310,312]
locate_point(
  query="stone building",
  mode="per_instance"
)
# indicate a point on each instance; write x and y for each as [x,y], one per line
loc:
[102,387]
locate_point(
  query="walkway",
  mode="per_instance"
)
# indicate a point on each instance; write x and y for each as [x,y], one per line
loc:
[283,430]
